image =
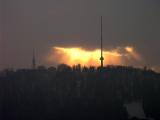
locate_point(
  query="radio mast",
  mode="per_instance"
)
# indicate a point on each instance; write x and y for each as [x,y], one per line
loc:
[101,58]
[34,60]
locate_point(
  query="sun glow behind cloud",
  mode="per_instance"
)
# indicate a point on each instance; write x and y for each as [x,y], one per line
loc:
[133,53]
[77,55]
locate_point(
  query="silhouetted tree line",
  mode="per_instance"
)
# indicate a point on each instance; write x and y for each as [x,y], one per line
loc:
[77,92]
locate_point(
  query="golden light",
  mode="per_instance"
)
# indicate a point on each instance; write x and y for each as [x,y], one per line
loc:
[133,53]
[77,55]
[129,49]
[72,56]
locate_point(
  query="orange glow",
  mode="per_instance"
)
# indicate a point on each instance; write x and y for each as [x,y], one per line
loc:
[129,49]
[77,55]
[133,53]
[72,56]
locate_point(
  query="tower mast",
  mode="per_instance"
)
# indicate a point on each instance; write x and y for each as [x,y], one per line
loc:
[101,58]
[33,60]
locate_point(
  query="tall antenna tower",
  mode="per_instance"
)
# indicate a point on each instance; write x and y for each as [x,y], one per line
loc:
[33,60]
[101,58]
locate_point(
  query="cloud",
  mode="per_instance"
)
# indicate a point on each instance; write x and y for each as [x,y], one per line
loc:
[78,55]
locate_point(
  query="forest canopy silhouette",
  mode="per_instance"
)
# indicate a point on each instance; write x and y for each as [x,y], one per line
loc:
[77,92]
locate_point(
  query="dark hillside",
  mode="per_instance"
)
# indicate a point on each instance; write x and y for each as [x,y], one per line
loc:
[77,93]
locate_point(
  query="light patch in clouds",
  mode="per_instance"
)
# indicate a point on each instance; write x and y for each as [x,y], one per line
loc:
[78,55]
[133,53]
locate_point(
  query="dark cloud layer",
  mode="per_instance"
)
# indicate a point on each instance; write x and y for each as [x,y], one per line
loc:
[41,24]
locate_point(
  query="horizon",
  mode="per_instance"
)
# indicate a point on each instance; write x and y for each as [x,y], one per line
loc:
[145,68]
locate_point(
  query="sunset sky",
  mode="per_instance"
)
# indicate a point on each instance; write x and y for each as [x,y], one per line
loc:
[46,24]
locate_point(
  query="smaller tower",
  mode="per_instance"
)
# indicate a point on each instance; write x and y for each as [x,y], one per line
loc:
[33,60]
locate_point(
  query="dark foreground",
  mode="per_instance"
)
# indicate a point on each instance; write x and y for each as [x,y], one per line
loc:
[75,93]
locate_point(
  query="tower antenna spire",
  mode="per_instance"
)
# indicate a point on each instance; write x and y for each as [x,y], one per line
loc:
[101,58]
[33,60]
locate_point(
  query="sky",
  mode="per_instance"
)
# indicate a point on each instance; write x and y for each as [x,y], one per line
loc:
[42,24]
